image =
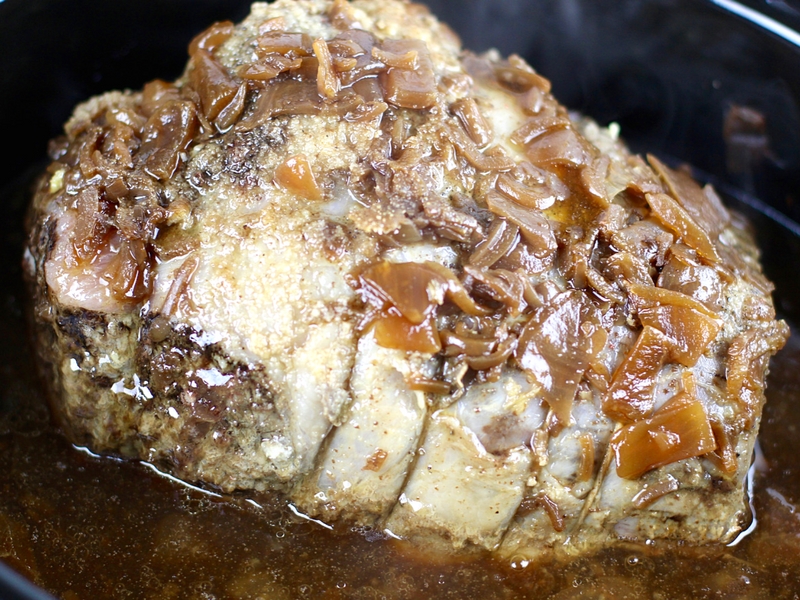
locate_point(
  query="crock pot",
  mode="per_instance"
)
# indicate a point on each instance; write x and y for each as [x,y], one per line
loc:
[712,83]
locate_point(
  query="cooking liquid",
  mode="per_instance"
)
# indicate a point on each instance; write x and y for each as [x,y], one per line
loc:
[83,526]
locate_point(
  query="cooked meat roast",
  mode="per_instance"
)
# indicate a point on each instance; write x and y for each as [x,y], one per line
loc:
[345,260]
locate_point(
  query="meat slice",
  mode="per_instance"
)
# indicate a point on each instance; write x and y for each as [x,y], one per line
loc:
[343,259]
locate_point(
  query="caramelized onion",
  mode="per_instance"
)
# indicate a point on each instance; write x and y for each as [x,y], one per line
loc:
[593,180]
[552,510]
[90,158]
[167,134]
[90,224]
[559,147]
[623,266]
[456,292]
[405,286]
[556,346]
[357,44]
[469,344]
[647,295]
[536,102]
[429,386]
[228,116]
[671,214]
[586,466]
[213,84]
[540,197]
[327,82]
[682,273]
[500,239]
[533,128]
[284,42]
[475,124]
[724,457]
[703,205]
[127,270]
[600,284]
[211,38]
[497,358]
[516,75]
[268,67]
[343,63]
[651,492]
[688,324]
[678,430]
[746,360]
[452,223]
[155,94]
[288,97]
[472,154]
[630,396]
[296,176]
[410,87]
[395,331]
[369,89]
[646,240]
[507,287]
[415,289]
[533,226]
[404,60]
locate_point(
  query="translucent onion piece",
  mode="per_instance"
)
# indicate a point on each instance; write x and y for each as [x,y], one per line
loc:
[211,38]
[630,396]
[559,147]
[213,83]
[679,430]
[394,331]
[295,175]
[746,360]
[703,205]
[410,87]
[688,324]
[415,289]
[167,133]
[672,215]
[557,345]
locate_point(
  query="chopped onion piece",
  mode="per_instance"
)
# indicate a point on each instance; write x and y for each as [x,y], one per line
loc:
[688,324]
[557,345]
[394,331]
[678,430]
[672,215]
[630,396]
[295,175]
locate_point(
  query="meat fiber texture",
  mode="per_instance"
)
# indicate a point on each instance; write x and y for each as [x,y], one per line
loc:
[342,259]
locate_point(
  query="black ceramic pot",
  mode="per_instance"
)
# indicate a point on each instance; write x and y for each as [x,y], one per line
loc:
[714,83]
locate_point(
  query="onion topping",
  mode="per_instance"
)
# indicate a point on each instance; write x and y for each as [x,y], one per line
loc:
[557,345]
[630,396]
[296,176]
[673,216]
[688,325]
[678,430]
[412,84]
